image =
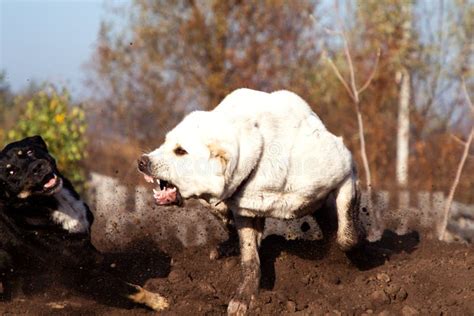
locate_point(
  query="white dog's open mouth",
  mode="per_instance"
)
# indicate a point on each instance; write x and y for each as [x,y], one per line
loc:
[165,193]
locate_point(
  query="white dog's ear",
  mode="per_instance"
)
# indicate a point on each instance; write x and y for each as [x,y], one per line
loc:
[220,154]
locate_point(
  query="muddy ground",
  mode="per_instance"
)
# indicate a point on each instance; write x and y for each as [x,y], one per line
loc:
[399,275]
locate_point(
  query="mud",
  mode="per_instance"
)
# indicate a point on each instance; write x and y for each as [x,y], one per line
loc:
[398,275]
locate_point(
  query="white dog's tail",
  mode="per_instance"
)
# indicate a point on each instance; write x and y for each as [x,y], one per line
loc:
[350,229]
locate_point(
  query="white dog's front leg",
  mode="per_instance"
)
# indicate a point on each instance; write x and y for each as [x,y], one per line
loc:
[250,231]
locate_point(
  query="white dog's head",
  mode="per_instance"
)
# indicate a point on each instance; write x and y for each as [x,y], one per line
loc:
[196,160]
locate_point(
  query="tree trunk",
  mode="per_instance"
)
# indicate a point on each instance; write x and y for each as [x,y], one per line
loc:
[403,128]
[403,75]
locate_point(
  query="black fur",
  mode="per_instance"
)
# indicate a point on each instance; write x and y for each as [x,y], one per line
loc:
[30,241]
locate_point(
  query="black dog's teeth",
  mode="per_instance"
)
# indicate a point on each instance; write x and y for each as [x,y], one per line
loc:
[163,184]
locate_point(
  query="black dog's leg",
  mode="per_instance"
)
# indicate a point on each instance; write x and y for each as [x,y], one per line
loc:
[93,279]
[5,266]
[5,261]
[111,289]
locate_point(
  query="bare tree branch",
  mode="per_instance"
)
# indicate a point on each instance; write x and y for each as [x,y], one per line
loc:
[354,94]
[339,76]
[464,156]
[458,140]
[468,98]
[372,74]
[449,200]
[332,32]
[347,52]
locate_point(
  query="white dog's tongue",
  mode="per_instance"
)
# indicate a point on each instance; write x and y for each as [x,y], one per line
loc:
[165,196]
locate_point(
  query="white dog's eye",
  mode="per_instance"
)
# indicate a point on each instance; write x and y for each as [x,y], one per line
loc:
[179,151]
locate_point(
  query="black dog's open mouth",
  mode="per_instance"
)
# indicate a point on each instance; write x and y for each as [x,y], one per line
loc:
[165,193]
[51,184]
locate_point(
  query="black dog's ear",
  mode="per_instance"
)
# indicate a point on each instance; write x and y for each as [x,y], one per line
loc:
[38,141]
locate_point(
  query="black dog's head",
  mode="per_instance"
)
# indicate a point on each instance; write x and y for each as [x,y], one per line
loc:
[27,169]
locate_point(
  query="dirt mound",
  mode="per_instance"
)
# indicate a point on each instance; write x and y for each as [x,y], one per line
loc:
[397,275]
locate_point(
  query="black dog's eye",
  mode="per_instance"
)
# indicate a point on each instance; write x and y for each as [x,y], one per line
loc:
[29,153]
[179,151]
[20,153]
[9,169]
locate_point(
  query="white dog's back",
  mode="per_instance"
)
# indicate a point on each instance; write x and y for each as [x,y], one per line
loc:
[298,166]
[279,107]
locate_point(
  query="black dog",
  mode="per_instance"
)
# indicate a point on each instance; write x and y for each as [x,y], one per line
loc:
[44,222]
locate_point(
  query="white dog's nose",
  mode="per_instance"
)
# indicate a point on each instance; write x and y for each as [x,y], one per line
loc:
[144,164]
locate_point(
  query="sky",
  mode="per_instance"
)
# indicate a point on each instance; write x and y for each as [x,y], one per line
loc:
[48,40]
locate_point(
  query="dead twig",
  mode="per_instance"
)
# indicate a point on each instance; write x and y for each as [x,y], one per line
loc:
[339,76]
[468,98]
[372,74]
[467,145]
[354,94]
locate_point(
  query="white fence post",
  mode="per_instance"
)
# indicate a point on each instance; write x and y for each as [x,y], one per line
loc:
[119,225]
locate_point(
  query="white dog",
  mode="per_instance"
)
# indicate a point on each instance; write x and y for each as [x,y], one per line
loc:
[261,155]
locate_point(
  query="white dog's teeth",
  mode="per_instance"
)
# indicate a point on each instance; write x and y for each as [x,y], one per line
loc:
[148,178]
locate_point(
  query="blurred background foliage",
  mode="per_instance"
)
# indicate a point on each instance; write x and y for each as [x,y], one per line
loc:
[50,113]
[175,56]
[156,60]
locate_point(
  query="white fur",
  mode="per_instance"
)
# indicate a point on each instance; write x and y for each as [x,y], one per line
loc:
[71,213]
[279,159]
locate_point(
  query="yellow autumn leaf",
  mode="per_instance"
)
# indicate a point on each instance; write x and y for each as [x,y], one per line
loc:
[59,118]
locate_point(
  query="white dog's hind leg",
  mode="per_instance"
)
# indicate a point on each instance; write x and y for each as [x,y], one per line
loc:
[250,233]
[349,231]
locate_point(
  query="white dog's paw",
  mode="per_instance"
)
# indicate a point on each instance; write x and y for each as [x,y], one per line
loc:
[237,307]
